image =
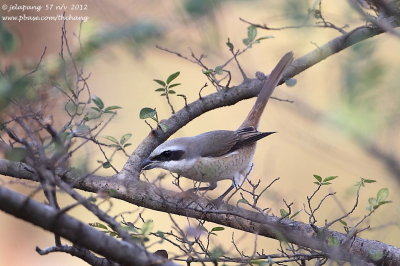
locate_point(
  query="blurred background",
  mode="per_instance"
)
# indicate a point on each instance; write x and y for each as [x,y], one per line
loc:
[343,121]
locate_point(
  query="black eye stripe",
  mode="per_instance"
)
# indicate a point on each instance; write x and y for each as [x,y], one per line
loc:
[169,156]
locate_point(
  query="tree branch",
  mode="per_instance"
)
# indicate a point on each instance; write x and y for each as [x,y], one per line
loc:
[75,231]
[149,196]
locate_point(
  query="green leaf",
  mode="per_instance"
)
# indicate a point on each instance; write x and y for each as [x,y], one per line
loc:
[319,178]
[251,33]
[343,222]
[219,70]
[243,201]
[81,130]
[368,180]
[8,42]
[317,183]
[124,138]
[208,71]
[376,255]
[230,45]
[172,77]
[325,183]
[174,85]
[372,201]
[163,94]
[329,178]
[171,92]
[16,154]
[147,112]
[163,127]
[127,144]
[264,38]
[96,109]
[216,253]
[98,102]
[147,227]
[218,228]
[382,194]
[160,89]
[106,165]
[290,82]
[111,108]
[333,241]
[162,83]
[98,225]
[112,139]
[284,213]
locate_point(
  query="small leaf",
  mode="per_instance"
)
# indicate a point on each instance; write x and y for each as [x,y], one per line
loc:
[96,109]
[264,38]
[372,201]
[382,194]
[163,127]
[333,241]
[16,154]
[112,139]
[160,89]
[290,82]
[174,85]
[251,33]
[368,180]
[124,138]
[106,165]
[162,83]
[98,102]
[284,213]
[230,45]
[98,225]
[343,222]
[218,228]
[127,144]
[219,70]
[216,253]
[243,201]
[147,112]
[81,130]
[163,94]
[147,227]
[208,71]
[172,77]
[111,108]
[376,255]
[329,178]
[317,183]
[171,92]
[325,183]
[319,178]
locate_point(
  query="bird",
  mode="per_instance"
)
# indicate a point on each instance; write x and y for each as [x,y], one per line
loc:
[220,154]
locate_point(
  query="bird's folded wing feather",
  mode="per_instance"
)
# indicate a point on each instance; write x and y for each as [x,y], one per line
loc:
[221,142]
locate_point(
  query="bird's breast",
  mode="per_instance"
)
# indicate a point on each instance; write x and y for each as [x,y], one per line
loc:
[213,169]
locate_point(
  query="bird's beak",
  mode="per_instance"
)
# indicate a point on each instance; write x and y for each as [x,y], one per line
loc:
[270,133]
[147,164]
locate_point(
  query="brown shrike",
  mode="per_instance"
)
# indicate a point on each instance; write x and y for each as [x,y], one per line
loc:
[220,154]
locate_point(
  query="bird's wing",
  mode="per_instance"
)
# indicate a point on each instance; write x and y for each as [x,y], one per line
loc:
[221,142]
[217,143]
[247,136]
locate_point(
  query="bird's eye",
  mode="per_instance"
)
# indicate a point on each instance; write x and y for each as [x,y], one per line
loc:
[166,154]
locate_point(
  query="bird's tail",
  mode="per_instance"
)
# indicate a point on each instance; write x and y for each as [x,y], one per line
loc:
[274,78]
